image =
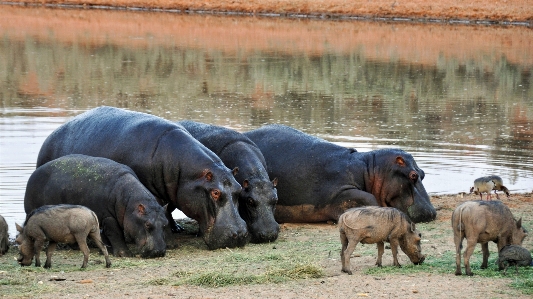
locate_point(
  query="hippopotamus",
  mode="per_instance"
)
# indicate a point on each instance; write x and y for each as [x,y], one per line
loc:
[126,210]
[175,167]
[258,197]
[319,180]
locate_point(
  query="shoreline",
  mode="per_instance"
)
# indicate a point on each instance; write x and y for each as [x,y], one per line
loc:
[464,16]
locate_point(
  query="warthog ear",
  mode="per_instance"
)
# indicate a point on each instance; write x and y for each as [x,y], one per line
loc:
[141,209]
[519,223]
[413,228]
[19,228]
[400,161]
[235,171]
[275,182]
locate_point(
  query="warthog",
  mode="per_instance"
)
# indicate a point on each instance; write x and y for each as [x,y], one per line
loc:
[370,225]
[58,224]
[513,255]
[4,237]
[480,222]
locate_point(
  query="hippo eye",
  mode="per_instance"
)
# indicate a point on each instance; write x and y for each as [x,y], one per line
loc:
[215,194]
[413,176]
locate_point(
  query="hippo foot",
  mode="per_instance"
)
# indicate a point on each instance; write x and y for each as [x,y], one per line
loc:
[123,253]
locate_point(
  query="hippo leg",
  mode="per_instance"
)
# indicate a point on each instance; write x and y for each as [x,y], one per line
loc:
[174,226]
[49,252]
[486,253]
[81,239]
[115,235]
[394,248]
[381,250]
[95,236]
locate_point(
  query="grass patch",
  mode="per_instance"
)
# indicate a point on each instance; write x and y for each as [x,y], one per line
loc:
[223,278]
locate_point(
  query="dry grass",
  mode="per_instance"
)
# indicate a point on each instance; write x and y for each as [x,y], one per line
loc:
[506,10]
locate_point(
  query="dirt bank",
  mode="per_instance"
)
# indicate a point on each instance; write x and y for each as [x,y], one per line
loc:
[228,273]
[499,11]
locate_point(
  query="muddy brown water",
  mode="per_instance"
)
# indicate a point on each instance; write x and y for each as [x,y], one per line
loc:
[458,98]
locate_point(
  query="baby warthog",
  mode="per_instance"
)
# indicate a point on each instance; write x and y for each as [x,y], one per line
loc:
[480,222]
[58,224]
[370,225]
[513,255]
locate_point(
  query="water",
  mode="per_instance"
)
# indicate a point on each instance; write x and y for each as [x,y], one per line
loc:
[458,98]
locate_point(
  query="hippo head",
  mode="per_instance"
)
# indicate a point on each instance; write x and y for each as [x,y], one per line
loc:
[144,223]
[26,249]
[257,202]
[212,199]
[410,244]
[398,184]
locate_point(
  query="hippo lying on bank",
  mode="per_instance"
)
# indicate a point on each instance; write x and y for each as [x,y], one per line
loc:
[480,222]
[126,210]
[318,180]
[370,225]
[258,197]
[4,236]
[58,224]
[175,167]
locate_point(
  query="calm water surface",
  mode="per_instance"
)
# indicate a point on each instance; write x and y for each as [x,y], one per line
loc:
[462,107]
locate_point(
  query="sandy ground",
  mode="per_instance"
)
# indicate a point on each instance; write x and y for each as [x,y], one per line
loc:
[479,10]
[131,282]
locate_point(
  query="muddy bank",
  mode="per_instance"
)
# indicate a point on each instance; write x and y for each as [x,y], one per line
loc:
[517,12]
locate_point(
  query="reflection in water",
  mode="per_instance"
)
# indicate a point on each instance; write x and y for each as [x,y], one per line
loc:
[462,104]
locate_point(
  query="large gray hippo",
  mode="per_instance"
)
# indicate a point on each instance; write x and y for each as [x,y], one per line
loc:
[318,180]
[175,167]
[258,196]
[126,210]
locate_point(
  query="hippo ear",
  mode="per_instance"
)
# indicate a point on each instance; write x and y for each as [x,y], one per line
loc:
[235,171]
[141,209]
[275,182]
[400,161]
[19,228]
[209,176]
